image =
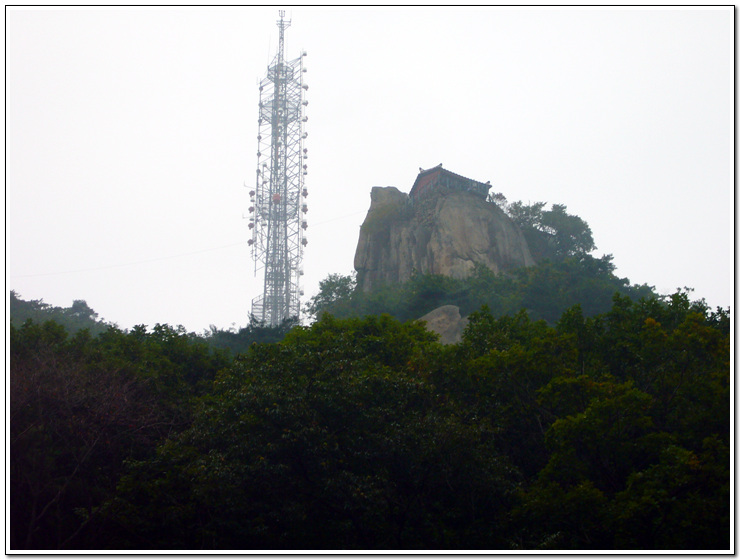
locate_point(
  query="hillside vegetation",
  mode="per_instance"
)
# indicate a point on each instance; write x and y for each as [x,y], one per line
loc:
[77,317]
[606,432]
[545,291]
[566,274]
[579,412]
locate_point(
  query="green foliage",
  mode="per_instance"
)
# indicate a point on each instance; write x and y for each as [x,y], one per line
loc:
[545,290]
[339,296]
[678,502]
[551,234]
[550,288]
[79,407]
[646,426]
[512,358]
[565,275]
[335,292]
[237,342]
[579,412]
[571,235]
[78,317]
[527,216]
[608,431]
[329,440]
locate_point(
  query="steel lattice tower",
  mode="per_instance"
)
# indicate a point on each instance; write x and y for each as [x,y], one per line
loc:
[277,203]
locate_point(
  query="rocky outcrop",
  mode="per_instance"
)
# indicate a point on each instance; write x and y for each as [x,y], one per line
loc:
[442,234]
[447,323]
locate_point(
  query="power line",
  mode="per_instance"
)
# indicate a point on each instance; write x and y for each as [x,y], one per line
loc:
[338,218]
[119,265]
[162,258]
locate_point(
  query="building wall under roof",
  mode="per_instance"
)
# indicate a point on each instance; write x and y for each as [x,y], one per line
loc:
[429,180]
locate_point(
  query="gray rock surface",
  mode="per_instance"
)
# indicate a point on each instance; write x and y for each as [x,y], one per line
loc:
[443,234]
[447,323]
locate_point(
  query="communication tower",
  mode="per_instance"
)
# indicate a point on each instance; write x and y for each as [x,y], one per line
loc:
[277,211]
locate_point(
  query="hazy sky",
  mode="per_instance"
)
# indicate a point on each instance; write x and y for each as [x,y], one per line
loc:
[130,133]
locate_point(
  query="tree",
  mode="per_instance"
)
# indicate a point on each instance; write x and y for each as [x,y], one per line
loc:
[78,317]
[512,358]
[641,434]
[335,292]
[545,290]
[256,331]
[72,421]
[426,292]
[331,439]
[680,502]
[499,200]
[551,234]
[79,407]
[591,432]
[81,310]
[527,216]
[570,234]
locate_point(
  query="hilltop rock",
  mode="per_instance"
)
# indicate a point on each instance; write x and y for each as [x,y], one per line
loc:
[442,234]
[447,323]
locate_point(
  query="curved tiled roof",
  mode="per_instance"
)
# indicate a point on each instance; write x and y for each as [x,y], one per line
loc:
[428,176]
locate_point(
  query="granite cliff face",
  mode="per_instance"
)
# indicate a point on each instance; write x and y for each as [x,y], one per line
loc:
[446,233]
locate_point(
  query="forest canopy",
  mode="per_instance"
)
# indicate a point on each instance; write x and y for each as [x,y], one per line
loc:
[578,412]
[603,432]
[545,290]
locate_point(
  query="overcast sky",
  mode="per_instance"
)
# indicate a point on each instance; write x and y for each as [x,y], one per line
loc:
[130,133]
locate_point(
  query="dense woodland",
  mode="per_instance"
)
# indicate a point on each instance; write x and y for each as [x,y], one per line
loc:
[579,412]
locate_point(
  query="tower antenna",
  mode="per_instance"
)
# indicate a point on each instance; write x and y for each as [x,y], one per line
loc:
[277,210]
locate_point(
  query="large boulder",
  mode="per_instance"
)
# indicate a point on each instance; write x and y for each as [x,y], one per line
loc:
[443,234]
[447,323]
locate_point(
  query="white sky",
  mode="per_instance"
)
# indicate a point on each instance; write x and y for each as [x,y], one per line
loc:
[130,133]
